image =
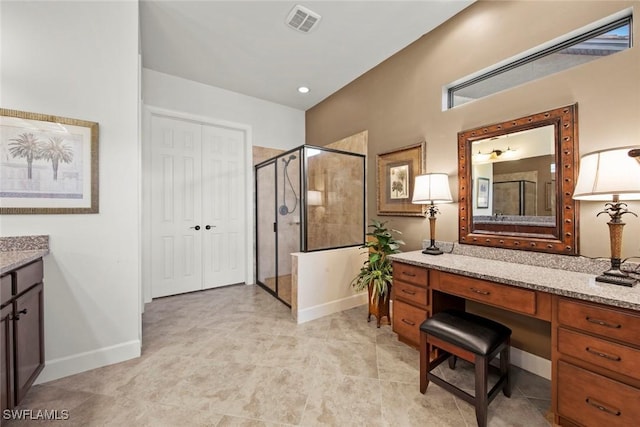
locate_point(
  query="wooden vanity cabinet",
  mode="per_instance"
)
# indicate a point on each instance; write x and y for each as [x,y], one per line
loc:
[28,339]
[596,359]
[595,353]
[413,300]
[22,329]
[410,301]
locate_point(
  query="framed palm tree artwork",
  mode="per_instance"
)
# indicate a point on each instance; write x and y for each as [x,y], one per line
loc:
[48,164]
[396,174]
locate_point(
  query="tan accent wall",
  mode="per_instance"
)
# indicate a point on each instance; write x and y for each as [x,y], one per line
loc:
[357,143]
[399,102]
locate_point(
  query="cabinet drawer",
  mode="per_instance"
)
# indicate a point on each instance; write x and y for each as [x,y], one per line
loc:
[28,276]
[6,290]
[407,320]
[600,320]
[508,297]
[593,400]
[609,355]
[410,293]
[410,273]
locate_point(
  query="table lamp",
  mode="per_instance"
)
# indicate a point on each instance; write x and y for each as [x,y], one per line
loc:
[430,189]
[612,176]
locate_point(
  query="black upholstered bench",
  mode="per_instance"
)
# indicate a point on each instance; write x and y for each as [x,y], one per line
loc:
[472,338]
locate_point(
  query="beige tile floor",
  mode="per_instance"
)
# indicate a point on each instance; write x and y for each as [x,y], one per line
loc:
[234,357]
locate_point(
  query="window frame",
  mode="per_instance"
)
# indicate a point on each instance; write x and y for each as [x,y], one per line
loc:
[619,22]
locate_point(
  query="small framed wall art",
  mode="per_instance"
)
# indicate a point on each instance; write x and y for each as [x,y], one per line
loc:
[482,201]
[396,174]
[48,164]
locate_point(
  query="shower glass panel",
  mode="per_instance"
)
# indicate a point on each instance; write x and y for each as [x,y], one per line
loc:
[307,199]
[288,221]
[515,198]
[335,199]
[266,238]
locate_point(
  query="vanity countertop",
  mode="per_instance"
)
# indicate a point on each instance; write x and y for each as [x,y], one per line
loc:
[555,281]
[10,260]
[17,251]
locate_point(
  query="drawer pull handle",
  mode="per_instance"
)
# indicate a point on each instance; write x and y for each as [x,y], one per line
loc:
[481,292]
[408,322]
[408,292]
[17,315]
[601,407]
[604,355]
[409,274]
[603,323]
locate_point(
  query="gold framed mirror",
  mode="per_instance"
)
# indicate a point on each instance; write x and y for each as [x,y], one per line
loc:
[516,179]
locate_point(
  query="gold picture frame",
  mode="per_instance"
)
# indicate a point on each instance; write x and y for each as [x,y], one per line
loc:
[396,172]
[48,164]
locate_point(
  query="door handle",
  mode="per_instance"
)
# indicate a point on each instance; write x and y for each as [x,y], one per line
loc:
[209,227]
[197,227]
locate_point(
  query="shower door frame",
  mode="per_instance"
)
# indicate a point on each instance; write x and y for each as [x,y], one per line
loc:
[273,162]
[303,185]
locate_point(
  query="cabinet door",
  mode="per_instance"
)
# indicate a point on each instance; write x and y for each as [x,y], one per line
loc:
[29,339]
[6,358]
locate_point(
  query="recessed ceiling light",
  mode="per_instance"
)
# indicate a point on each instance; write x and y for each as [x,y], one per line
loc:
[303,89]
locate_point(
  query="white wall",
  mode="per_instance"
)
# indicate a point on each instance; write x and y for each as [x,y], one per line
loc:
[323,282]
[80,60]
[273,125]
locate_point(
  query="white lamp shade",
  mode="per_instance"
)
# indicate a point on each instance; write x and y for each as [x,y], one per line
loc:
[314,198]
[431,188]
[606,173]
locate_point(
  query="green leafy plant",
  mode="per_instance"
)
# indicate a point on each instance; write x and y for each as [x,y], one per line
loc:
[376,273]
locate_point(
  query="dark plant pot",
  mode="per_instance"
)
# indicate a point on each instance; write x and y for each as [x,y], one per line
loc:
[380,308]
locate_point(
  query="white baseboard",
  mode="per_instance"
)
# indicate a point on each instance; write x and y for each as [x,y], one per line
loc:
[530,362]
[70,365]
[321,310]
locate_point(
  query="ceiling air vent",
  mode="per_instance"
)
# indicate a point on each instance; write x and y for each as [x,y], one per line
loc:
[302,19]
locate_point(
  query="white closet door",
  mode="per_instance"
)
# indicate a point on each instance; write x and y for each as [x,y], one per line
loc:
[176,207]
[223,206]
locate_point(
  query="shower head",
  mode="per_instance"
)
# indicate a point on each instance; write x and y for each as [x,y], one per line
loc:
[286,161]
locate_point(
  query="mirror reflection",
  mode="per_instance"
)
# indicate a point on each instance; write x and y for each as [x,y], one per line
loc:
[514,179]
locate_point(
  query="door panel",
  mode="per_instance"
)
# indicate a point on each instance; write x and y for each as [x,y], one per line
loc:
[175,207]
[265,225]
[223,205]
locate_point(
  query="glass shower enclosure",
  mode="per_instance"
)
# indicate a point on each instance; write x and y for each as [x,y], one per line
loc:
[307,199]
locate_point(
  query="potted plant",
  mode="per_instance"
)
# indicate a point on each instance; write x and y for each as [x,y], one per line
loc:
[376,273]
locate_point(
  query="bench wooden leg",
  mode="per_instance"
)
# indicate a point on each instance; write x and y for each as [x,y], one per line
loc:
[481,398]
[504,369]
[452,361]
[425,351]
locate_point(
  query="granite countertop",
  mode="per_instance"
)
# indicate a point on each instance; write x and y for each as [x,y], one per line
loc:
[10,260]
[556,281]
[20,250]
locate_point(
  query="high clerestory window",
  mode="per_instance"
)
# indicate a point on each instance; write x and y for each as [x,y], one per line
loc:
[604,40]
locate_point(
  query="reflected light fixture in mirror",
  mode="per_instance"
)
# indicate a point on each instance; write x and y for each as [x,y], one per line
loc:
[494,155]
[611,176]
[431,189]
